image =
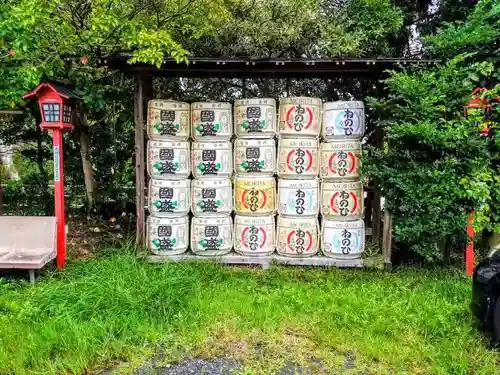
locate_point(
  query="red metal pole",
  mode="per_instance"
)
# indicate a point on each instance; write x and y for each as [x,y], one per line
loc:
[59,197]
[469,250]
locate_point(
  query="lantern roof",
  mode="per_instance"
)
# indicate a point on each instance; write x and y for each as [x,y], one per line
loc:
[53,86]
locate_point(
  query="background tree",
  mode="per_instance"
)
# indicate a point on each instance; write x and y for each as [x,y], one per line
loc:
[435,165]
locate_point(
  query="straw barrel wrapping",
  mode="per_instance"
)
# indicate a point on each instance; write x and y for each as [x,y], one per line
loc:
[342,200]
[254,156]
[168,119]
[300,116]
[343,120]
[168,198]
[254,235]
[211,236]
[212,159]
[167,236]
[168,159]
[340,160]
[297,237]
[343,239]
[255,118]
[211,196]
[211,121]
[298,158]
[254,195]
[298,197]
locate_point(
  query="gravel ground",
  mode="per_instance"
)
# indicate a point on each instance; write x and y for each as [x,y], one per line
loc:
[223,366]
[197,366]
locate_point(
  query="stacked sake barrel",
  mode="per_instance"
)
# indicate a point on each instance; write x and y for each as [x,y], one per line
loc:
[343,231]
[255,185]
[298,183]
[211,192]
[168,167]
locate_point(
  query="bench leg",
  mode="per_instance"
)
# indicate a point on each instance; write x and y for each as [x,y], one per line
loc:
[32,276]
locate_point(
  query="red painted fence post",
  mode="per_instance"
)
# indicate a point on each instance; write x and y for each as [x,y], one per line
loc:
[469,250]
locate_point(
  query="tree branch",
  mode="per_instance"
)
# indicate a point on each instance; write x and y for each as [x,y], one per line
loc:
[237,85]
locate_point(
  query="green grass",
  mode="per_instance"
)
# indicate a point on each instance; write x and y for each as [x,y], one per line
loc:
[117,311]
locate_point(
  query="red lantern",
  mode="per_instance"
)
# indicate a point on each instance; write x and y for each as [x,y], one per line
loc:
[56,108]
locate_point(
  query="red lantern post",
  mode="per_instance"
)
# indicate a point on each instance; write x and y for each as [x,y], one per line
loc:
[480,107]
[477,106]
[56,109]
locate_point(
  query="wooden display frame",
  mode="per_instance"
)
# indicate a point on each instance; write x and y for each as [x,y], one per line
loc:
[298,68]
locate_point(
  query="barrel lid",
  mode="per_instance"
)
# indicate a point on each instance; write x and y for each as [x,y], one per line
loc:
[341,145]
[211,181]
[168,104]
[167,220]
[311,182]
[222,145]
[211,105]
[299,142]
[342,185]
[258,220]
[211,220]
[298,222]
[254,176]
[343,224]
[255,101]
[243,142]
[301,100]
[169,183]
[343,104]
[158,143]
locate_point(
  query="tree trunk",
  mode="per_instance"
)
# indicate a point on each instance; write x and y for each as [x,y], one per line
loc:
[45,178]
[39,154]
[82,131]
[88,173]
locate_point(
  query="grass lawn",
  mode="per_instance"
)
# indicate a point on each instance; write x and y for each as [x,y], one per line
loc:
[118,312]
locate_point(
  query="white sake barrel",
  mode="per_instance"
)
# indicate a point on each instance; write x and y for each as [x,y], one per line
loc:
[298,197]
[343,239]
[343,120]
[255,118]
[340,160]
[300,116]
[211,121]
[254,235]
[211,236]
[168,197]
[298,158]
[168,160]
[167,236]
[168,119]
[211,196]
[254,195]
[341,200]
[254,156]
[298,237]
[212,159]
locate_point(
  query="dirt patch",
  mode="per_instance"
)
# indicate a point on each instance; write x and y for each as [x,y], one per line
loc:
[87,235]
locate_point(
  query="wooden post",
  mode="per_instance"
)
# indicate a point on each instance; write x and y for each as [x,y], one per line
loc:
[143,94]
[147,95]
[139,162]
[376,204]
[376,216]
[387,240]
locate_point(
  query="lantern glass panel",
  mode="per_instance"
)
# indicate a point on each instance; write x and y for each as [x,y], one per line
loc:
[67,113]
[51,112]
